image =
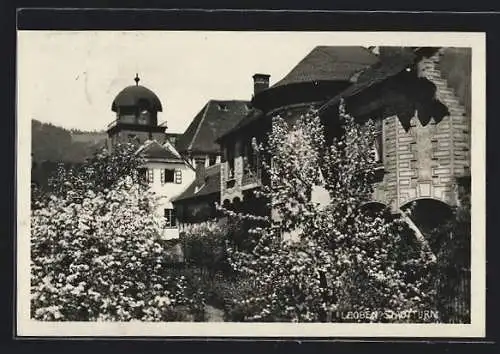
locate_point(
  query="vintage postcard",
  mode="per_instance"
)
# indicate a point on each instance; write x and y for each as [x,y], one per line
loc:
[241,184]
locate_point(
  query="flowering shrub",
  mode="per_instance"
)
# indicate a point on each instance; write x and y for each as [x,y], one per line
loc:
[312,262]
[205,245]
[95,251]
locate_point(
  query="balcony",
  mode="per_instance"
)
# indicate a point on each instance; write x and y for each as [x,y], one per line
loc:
[251,178]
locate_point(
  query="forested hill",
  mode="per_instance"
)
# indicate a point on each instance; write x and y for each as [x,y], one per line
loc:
[51,145]
[56,144]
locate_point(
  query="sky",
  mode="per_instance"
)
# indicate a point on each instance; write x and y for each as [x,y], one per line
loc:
[71,78]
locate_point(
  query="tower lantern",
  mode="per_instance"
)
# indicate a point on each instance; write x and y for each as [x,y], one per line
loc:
[136,109]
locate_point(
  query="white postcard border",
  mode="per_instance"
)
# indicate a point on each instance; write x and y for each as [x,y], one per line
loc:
[31,328]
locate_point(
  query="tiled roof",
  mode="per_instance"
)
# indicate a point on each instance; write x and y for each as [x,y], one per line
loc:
[153,149]
[253,115]
[329,63]
[212,185]
[216,118]
[380,71]
[369,76]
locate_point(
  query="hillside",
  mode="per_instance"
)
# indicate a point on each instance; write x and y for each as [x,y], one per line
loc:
[56,144]
[52,145]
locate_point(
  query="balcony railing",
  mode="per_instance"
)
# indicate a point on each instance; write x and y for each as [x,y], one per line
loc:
[251,177]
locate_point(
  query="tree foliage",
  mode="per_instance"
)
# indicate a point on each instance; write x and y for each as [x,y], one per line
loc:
[454,266]
[316,262]
[95,248]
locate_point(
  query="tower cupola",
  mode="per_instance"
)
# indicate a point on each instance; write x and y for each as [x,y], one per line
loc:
[136,109]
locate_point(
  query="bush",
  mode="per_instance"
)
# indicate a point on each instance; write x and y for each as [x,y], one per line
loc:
[204,246]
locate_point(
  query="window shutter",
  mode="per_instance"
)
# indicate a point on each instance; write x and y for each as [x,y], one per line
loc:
[178,176]
[173,218]
[167,217]
[162,176]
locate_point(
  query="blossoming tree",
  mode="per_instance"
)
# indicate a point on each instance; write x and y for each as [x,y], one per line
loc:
[95,248]
[343,262]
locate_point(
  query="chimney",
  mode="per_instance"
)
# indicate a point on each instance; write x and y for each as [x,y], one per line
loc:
[260,83]
[200,174]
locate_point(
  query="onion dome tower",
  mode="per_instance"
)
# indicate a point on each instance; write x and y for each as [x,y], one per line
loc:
[136,109]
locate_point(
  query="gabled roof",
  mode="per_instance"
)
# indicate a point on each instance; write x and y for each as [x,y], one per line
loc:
[155,150]
[213,120]
[329,63]
[211,186]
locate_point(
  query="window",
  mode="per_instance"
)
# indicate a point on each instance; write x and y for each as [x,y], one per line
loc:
[230,161]
[144,117]
[212,160]
[143,175]
[378,148]
[150,176]
[170,218]
[168,176]
[171,176]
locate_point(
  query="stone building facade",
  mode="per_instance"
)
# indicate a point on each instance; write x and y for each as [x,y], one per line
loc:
[426,135]
[420,98]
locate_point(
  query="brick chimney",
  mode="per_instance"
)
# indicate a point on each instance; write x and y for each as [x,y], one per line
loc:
[260,83]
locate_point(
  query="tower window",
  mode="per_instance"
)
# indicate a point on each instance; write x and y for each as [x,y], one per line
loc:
[144,117]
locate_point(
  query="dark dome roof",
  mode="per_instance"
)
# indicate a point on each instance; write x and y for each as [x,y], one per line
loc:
[131,95]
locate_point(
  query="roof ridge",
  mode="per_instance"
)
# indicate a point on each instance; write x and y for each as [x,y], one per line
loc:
[198,128]
[167,145]
[227,100]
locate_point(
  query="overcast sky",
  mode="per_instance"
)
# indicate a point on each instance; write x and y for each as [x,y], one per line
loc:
[71,78]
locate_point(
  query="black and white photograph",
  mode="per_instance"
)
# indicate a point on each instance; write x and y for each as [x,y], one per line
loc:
[211,183]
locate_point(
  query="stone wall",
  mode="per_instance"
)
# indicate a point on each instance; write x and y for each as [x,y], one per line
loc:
[425,160]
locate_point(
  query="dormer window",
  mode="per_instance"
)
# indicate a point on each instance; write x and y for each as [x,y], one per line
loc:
[223,107]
